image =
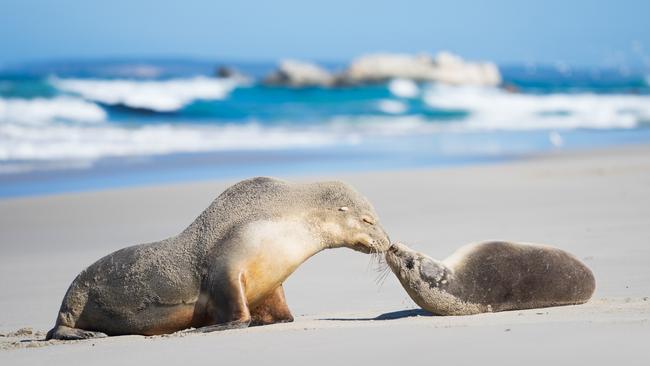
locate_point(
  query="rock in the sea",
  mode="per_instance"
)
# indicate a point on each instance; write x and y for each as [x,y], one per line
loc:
[226,72]
[299,74]
[443,68]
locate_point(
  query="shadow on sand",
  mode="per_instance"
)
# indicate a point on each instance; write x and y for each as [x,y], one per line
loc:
[388,316]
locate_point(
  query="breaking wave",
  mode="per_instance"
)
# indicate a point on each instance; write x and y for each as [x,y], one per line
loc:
[154,95]
[42,110]
[76,127]
[497,109]
[90,142]
[75,141]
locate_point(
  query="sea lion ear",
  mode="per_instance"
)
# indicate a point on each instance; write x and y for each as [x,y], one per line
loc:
[343,208]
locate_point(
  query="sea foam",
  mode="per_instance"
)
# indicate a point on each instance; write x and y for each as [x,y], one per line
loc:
[390,106]
[155,95]
[496,109]
[90,142]
[41,110]
[82,141]
[70,128]
[403,88]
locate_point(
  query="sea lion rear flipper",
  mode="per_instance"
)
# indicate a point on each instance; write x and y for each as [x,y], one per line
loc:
[67,333]
[237,324]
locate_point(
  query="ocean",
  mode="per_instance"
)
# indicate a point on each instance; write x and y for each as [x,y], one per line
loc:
[87,125]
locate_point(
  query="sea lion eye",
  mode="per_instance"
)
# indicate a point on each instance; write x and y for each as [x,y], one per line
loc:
[344,208]
[367,220]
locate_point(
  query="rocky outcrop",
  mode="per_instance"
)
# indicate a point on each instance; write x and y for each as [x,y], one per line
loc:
[226,72]
[298,74]
[443,68]
[230,73]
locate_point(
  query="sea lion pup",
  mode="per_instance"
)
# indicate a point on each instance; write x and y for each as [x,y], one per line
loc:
[226,269]
[492,276]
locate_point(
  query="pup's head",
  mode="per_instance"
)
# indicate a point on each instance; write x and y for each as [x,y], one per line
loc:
[412,267]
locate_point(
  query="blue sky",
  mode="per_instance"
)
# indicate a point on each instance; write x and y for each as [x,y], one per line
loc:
[576,32]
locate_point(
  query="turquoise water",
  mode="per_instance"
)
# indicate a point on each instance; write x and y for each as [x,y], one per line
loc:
[70,126]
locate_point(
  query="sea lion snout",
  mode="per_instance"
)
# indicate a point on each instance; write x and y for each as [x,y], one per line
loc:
[398,250]
[382,242]
[366,235]
[375,241]
[398,256]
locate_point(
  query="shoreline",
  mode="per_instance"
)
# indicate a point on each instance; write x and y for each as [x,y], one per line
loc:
[197,168]
[593,204]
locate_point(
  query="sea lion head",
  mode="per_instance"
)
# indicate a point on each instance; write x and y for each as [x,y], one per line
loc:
[347,219]
[412,267]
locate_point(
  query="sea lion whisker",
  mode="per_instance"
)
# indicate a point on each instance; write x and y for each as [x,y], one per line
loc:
[369,264]
[380,264]
[375,259]
[383,277]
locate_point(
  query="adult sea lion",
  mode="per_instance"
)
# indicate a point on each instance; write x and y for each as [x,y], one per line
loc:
[226,269]
[492,276]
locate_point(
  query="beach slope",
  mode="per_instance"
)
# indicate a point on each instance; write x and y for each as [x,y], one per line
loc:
[595,205]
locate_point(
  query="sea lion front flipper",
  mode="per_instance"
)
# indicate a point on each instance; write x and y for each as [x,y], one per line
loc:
[66,333]
[237,324]
[228,303]
[272,309]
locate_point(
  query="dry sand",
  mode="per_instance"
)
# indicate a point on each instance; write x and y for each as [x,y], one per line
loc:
[593,204]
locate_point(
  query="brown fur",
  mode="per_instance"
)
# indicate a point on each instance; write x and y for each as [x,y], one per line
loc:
[492,276]
[226,269]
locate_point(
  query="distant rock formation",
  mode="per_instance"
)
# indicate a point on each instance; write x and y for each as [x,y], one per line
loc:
[227,72]
[444,68]
[299,74]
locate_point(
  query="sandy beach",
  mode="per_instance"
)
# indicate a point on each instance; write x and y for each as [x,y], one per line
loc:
[594,204]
